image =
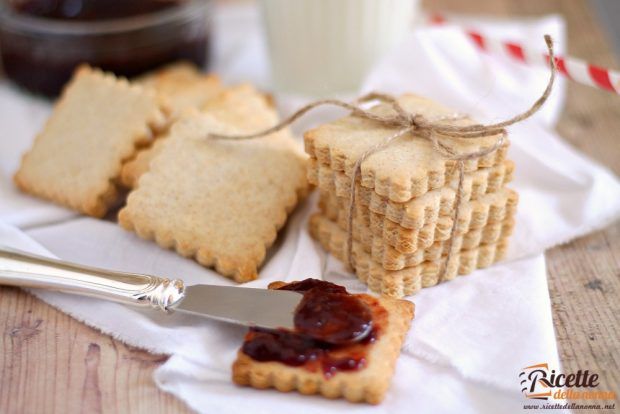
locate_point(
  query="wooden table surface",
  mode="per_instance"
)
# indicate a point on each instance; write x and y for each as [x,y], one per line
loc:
[50,362]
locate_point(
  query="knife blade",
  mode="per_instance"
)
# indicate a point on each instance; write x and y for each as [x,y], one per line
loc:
[266,308]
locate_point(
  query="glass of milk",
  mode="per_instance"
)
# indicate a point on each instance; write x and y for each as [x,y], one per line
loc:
[326,47]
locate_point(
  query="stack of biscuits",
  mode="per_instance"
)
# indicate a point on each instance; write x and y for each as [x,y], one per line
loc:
[405,200]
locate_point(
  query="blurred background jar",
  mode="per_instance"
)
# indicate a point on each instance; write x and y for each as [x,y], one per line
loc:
[326,47]
[43,41]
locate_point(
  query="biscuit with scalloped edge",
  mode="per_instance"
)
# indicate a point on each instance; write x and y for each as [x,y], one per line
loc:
[96,125]
[414,213]
[228,105]
[409,166]
[489,208]
[183,85]
[133,169]
[391,259]
[221,202]
[369,384]
[407,281]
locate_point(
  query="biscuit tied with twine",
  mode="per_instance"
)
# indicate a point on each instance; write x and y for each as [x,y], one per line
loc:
[403,122]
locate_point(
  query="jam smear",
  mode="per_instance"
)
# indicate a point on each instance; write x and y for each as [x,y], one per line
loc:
[328,312]
[327,320]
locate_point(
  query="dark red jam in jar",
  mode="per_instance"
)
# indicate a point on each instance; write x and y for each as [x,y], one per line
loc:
[43,41]
[327,321]
[89,9]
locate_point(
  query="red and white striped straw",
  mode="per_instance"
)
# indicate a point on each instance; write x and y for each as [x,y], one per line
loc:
[572,68]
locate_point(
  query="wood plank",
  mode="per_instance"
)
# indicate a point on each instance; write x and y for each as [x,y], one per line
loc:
[51,363]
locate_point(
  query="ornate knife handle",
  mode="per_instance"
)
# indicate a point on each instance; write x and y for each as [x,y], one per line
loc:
[26,270]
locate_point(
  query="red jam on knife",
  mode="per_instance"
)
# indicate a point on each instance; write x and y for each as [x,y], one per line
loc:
[327,311]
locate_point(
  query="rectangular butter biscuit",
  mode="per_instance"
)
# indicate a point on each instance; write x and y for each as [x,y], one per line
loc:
[407,281]
[414,213]
[369,384]
[391,259]
[96,125]
[183,85]
[221,202]
[490,208]
[230,105]
[409,166]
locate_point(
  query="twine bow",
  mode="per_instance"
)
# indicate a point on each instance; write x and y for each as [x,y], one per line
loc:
[436,132]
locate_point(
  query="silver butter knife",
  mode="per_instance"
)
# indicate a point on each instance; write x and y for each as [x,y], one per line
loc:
[244,306]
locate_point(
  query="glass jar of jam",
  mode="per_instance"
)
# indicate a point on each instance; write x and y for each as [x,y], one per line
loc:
[43,41]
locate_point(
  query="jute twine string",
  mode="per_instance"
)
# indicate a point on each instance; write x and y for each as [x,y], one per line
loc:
[436,132]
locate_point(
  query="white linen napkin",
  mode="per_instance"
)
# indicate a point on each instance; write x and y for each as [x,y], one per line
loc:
[470,337]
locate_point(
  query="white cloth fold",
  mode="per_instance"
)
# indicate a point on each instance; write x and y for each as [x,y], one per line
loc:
[470,338]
